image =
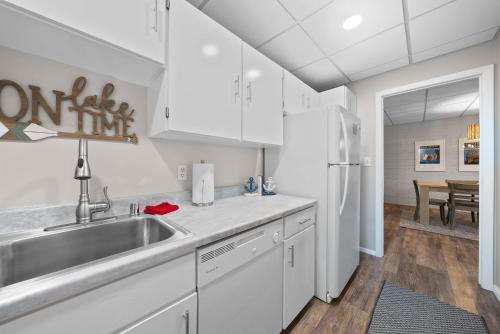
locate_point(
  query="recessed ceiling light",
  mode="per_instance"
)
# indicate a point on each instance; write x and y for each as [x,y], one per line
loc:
[352,22]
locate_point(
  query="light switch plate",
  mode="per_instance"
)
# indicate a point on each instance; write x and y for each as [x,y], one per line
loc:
[182,172]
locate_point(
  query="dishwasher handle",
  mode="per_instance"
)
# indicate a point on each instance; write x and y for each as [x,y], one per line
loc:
[292,256]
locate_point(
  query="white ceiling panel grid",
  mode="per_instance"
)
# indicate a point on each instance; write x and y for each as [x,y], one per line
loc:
[303,8]
[292,49]
[419,7]
[380,69]
[456,45]
[459,19]
[254,21]
[325,26]
[381,49]
[321,75]
[445,101]
[307,36]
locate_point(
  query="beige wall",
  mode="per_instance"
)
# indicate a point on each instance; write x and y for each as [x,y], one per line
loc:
[40,173]
[484,54]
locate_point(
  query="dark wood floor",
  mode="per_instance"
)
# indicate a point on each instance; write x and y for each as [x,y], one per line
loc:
[439,266]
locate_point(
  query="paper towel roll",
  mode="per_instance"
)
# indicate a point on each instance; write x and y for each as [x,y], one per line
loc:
[203,184]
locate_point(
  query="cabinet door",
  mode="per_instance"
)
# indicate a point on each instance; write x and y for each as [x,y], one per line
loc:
[179,318]
[134,25]
[262,99]
[351,101]
[298,275]
[293,94]
[204,68]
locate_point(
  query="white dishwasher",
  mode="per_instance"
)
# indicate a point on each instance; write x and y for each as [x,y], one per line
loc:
[240,283]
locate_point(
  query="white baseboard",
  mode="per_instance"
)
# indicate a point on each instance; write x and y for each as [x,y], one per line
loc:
[496,291]
[368,251]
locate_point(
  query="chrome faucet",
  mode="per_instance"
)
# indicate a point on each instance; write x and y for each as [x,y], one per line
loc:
[85,208]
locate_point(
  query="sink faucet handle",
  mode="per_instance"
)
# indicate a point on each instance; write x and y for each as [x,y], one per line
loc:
[108,201]
[134,209]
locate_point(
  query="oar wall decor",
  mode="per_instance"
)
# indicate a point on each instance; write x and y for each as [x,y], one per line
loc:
[27,131]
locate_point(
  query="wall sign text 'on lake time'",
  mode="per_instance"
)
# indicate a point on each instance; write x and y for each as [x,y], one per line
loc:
[106,115]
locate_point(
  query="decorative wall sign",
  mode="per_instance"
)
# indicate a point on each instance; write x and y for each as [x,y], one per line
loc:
[105,115]
[430,156]
[468,155]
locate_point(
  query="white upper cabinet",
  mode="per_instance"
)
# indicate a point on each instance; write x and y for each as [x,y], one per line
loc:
[262,98]
[342,96]
[204,72]
[121,38]
[298,96]
[134,25]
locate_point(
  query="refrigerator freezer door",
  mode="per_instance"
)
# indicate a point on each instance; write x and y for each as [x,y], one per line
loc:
[343,137]
[343,226]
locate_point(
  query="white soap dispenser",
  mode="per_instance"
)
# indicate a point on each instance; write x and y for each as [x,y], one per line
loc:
[203,184]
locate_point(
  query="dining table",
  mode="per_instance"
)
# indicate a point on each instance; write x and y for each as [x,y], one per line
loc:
[426,187]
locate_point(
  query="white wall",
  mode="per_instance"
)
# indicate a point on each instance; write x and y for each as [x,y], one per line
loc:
[484,54]
[40,173]
[399,156]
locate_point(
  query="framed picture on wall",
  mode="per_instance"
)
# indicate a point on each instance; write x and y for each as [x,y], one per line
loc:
[468,155]
[430,156]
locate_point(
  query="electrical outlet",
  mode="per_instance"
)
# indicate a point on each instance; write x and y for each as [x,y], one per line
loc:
[182,172]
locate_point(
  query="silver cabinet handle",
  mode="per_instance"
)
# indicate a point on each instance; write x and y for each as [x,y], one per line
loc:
[155,27]
[304,221]
[186,318]
[292,259]
[308,103]
[249,92]
[236,88]
[303,101]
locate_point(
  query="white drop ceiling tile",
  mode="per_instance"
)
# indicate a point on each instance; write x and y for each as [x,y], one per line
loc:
[321,75]
[380,69]
[292,49]
[410,118]
[325,26]
[253,21]
[401,100]
[456,20]
[465,88]
[455,45]
[436,116]
[381,49]
[419,7]
[302,8]
[446,108]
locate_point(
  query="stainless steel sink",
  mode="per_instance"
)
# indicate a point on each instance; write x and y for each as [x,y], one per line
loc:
[45,252]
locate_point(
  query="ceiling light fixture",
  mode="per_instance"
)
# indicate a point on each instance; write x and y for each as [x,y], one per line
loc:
[352,22]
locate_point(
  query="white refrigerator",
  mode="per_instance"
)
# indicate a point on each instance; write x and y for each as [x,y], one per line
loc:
[320,159]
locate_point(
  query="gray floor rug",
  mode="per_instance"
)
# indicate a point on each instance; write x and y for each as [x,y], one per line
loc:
[463,228]
[400,311]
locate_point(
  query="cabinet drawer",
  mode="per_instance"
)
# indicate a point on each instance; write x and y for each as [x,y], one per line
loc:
[299,221]
[113,306]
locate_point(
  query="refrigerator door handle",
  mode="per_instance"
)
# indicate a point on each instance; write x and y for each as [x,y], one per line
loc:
[344,195]
[346,138]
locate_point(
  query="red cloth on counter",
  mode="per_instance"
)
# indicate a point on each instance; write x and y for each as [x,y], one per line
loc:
[160,209]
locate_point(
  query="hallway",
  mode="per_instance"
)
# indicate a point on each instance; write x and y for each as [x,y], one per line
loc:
[439,266]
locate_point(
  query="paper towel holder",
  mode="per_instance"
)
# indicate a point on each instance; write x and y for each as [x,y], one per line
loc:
[203,184]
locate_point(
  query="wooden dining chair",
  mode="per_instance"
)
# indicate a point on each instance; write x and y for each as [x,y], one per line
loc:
[432,201]
[464,196]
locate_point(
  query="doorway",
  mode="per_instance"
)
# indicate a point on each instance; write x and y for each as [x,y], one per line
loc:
[485,78]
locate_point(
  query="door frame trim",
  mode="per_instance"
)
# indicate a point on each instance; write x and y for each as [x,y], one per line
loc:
[485,74]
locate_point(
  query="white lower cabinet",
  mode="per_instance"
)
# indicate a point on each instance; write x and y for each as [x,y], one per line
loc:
[180,317]
[114,307]
[298,277]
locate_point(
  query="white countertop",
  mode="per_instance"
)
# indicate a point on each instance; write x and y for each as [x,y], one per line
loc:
[225,218]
